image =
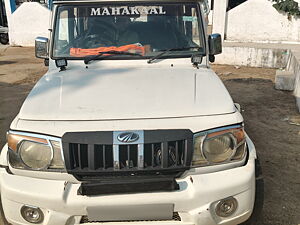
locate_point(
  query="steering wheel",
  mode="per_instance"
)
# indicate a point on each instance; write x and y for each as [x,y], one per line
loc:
[101,34]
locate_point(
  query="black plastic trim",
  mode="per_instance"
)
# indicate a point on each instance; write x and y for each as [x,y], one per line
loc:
[152,136]
[128,186]
[97,137]
[116,175]
[7,169]
[106,137]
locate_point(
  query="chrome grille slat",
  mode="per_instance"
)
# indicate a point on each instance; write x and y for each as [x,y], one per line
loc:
[128,157]
[116,157]
[140,156]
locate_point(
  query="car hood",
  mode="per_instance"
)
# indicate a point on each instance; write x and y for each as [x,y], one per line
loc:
[108,93]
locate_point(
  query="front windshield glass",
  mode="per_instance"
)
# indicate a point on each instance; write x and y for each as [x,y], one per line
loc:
[142,28]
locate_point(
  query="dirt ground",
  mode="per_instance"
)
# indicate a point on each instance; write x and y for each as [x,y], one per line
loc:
[271,120]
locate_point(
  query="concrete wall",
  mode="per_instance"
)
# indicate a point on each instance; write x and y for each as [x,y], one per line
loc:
[29,21]
[294,67]
[254,56]
[258,20]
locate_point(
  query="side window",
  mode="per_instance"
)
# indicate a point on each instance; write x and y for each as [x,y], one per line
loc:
[62,33]
[66,30]
[63,27]
[191,25]
[195,27]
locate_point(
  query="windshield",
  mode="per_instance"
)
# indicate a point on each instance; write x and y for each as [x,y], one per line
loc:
[141,28]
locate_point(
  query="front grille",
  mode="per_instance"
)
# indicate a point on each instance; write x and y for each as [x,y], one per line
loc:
[94,157]
[101,156]
[91,155]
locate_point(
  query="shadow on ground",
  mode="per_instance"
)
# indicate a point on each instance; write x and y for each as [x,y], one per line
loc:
[6,62]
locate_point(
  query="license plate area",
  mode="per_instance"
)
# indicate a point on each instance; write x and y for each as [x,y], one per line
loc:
[131,212]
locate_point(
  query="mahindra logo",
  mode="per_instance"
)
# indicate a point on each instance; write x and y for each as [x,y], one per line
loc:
[128,137]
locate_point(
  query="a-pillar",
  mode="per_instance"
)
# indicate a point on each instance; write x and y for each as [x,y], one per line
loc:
[219,17]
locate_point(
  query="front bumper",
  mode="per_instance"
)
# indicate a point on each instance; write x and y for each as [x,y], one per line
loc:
[194,201]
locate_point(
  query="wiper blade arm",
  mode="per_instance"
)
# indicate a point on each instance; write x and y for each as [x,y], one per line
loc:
[168,50]
[87,59]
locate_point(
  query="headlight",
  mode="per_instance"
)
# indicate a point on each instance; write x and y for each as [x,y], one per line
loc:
[219,146]
[36,152]
[35,155]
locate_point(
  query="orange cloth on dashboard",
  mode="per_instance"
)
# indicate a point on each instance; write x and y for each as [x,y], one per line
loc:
[95,51]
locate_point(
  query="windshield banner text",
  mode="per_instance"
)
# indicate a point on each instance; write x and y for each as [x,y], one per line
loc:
[108,11]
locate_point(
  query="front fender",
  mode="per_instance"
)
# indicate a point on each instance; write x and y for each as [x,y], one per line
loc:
[251,148]
[3,156]
[3,166]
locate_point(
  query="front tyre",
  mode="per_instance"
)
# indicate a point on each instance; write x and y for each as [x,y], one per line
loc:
[259,196]
[4,39]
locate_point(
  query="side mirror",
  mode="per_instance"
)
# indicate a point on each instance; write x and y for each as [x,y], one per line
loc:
[41,47]
[215,46]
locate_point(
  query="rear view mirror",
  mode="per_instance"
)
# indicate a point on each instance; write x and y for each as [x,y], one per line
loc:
[41,47]
[215,45]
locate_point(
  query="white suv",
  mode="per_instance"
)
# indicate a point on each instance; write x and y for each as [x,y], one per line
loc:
[129,125]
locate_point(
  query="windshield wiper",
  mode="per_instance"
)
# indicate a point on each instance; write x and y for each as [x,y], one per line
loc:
[165,51]
[87,59]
